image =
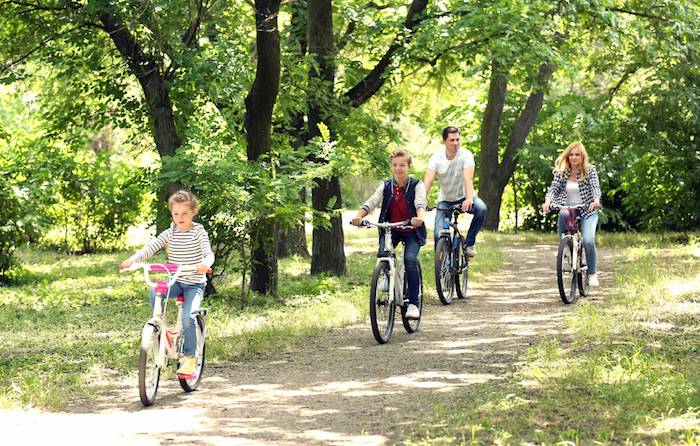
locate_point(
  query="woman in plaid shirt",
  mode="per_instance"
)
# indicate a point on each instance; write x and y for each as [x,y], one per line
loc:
[576,184]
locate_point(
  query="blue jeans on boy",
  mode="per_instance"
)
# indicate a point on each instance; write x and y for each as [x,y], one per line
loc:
[193,295]
[479,211]
[588,227]
[410,260]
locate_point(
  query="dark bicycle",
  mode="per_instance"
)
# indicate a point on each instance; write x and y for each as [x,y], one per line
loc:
[572,268]
[451,261]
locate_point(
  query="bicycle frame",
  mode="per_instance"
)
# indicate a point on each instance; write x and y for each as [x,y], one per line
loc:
[396,267]
[575,236]
[169,339]
[450,228]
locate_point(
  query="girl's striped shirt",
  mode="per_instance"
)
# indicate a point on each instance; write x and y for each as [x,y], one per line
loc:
[184,248]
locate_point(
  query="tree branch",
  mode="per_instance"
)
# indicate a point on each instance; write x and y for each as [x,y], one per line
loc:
[526,120]
[638,14]
[373,81]
[6,66]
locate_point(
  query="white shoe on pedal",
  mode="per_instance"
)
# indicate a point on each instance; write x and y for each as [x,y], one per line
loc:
[470,251]
[593,280]
[412,312]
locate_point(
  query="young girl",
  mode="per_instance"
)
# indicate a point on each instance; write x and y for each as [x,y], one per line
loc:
[402,198]
[186,243]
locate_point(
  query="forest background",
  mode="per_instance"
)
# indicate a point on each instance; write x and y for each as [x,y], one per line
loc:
[279,115]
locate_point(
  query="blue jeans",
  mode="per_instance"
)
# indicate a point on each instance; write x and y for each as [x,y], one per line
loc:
[588,227]
[410,260]
[479,211]
[193,295]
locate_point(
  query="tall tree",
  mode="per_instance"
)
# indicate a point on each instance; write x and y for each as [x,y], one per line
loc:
[258,122]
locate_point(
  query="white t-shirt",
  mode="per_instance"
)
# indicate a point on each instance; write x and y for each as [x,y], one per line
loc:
[573,194]
[450,173]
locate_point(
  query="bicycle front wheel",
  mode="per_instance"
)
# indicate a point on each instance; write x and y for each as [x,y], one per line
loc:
[192,382]
[462,279]
[444,278]
[583,284]
[149,371]
[411,325]
[382,309]
[566,272]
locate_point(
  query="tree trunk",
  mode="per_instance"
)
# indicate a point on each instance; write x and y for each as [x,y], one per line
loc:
[490,188]
[258,122]
[155,90]
[293,240]
[494,176]
[328,254]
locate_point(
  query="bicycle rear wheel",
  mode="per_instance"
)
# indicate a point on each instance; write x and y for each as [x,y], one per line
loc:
[444,277]
[462,273]
[149,372]
[566,272]
[411,325]
[192,382]
[381,311]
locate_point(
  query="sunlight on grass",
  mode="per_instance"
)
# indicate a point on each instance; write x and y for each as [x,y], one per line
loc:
[626,371]
[73,323]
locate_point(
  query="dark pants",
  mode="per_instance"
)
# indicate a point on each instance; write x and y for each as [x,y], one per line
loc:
[410,260]
[478,210]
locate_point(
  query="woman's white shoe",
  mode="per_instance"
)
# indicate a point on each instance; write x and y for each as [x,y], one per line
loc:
[412,312]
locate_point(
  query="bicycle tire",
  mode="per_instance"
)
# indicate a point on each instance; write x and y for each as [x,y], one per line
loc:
[381,313]
[462,273]
[583,283]
[149,371]
[444,277]
[411,325]
[191,384]
[566,272]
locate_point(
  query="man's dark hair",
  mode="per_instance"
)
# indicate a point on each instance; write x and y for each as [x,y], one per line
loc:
[447,130]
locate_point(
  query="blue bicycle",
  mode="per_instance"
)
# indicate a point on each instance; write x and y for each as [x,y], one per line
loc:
[451,262]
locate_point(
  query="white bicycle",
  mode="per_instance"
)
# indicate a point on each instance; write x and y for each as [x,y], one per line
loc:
[389,287]
[160,342]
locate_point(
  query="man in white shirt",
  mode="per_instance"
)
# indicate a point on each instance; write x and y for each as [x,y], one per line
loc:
[454,168]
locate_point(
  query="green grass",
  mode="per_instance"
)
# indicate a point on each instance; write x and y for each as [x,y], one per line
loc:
[627,370]
[73,322]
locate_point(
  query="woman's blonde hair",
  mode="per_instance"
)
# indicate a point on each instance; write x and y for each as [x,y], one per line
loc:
[561,165]
[184,196]
[401,153]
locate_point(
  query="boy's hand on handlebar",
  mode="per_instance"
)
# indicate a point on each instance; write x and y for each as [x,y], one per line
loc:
[416,222]
[357,221]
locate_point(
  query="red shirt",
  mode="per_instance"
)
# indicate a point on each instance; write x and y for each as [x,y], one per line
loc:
[398,208]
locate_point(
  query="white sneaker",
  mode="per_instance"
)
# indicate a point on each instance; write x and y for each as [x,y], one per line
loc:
[412,312]
[470,251]
[593,280]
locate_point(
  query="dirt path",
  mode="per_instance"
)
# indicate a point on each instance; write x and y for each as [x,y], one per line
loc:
[341,388]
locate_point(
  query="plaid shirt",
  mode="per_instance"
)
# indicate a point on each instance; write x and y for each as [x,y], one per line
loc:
[589,187]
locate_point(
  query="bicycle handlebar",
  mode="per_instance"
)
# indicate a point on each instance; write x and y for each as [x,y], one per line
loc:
[456,207]
[173,270]
[397,225]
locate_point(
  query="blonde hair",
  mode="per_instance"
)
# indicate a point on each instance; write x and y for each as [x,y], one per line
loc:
[401,153]
[184,196]
[562,165]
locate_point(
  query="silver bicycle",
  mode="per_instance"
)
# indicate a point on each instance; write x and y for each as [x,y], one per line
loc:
[389,287]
